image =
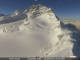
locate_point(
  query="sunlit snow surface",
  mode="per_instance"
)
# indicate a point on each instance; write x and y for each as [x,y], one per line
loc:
[37,32]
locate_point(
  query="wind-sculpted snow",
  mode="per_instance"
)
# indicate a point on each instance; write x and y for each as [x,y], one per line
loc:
[37,32]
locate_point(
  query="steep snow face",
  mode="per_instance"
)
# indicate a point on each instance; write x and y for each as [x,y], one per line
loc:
[42,19]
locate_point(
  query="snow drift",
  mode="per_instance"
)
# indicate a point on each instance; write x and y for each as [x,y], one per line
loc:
[35,32]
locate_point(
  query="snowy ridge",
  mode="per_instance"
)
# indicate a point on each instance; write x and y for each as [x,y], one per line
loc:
[38,27]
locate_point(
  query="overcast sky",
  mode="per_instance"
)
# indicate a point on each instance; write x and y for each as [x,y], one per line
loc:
[62,8]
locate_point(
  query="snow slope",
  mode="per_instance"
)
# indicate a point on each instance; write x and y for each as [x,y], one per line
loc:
[36,32]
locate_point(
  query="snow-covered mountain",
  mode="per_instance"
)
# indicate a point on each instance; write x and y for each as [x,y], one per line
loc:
[37,32]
